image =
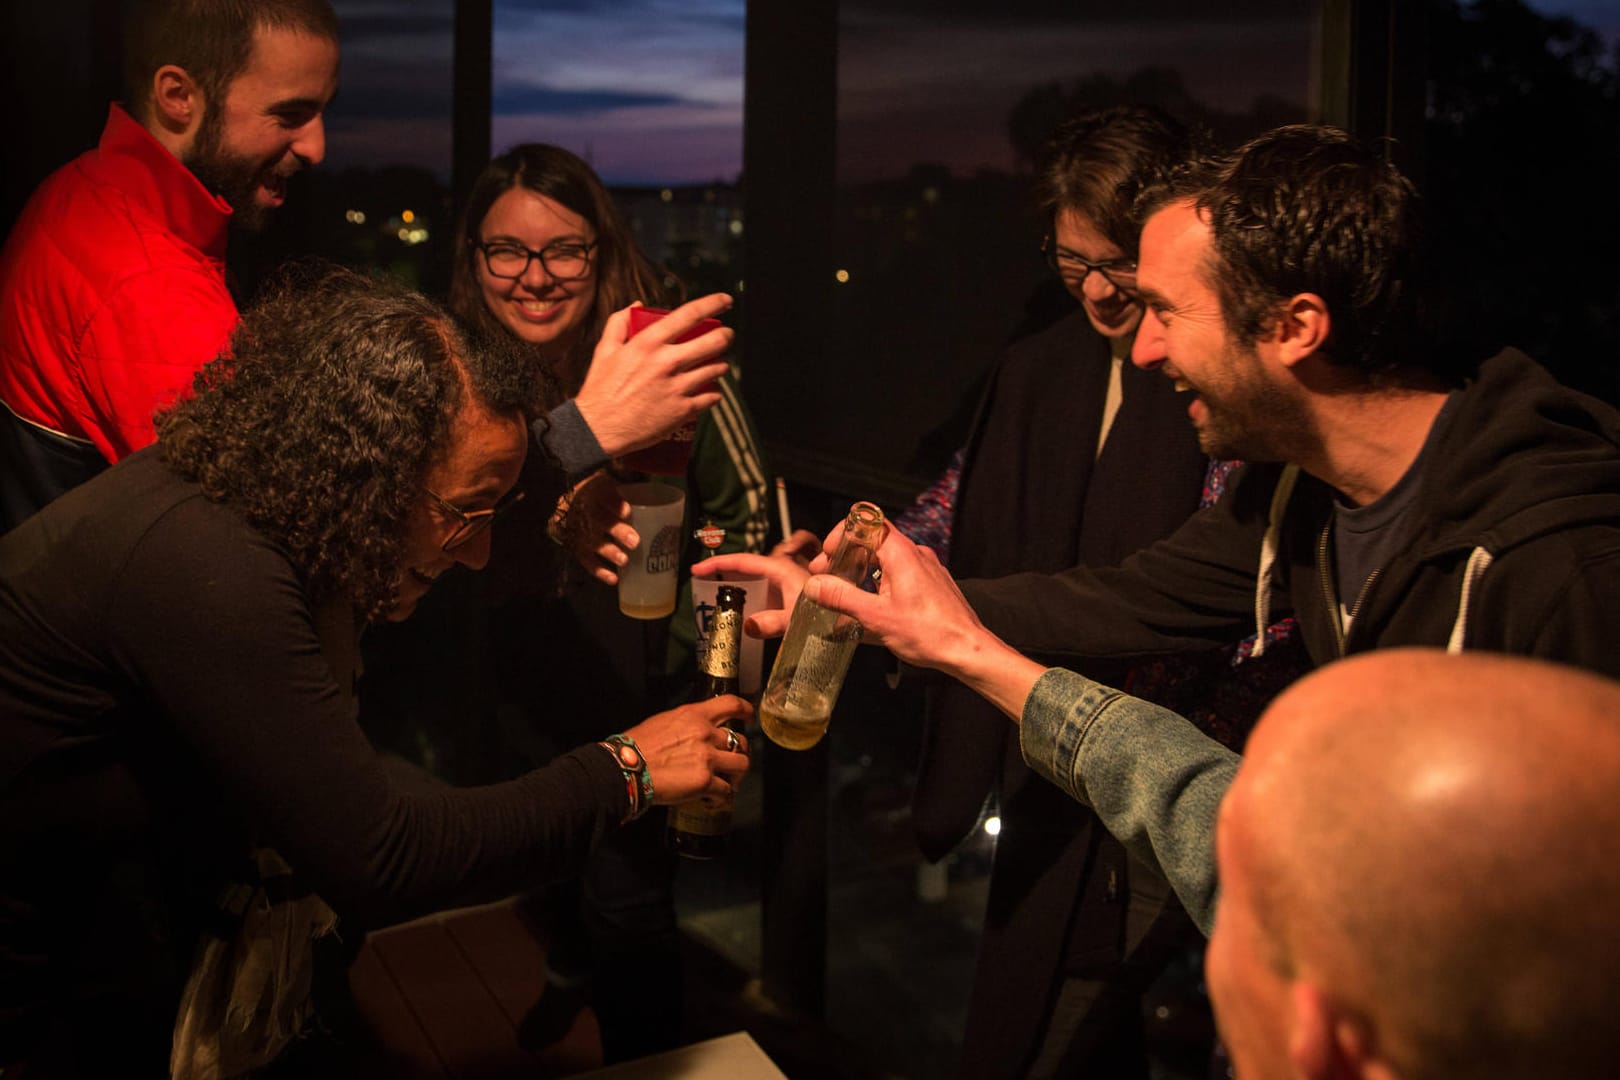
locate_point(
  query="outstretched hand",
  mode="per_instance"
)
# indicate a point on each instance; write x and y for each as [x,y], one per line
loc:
[918,613]
[923,618]
[686,750]
[640,389]
[785,574]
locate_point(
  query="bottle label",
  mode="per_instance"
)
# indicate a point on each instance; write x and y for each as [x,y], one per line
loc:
[699,820]
[724,633]
[821,667]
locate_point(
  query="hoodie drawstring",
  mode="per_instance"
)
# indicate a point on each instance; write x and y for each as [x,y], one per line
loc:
[1478,563]
[1268,556]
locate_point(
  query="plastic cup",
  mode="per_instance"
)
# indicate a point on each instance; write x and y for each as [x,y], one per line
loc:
[647,582]
[671,456]
[703,601]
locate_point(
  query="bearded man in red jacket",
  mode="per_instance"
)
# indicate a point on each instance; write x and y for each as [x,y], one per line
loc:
[112,282]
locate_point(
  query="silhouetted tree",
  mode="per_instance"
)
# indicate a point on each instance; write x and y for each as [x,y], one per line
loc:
[1520,176]
[1043,107]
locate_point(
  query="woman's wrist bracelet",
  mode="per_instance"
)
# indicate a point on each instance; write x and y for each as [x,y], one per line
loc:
[637,777]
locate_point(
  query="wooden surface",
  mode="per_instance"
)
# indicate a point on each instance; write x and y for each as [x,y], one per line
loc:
[730,1057]
[446,996]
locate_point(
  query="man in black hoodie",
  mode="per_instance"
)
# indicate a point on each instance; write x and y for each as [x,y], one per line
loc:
[1399,499]
[1396,498]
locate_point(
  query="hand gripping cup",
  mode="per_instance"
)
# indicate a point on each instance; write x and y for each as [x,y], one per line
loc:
[669,457]
[647,582]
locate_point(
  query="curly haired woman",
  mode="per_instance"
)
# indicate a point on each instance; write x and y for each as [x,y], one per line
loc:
[177,647]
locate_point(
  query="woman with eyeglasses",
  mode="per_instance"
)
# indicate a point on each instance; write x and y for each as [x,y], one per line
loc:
[546,258]
[177,673]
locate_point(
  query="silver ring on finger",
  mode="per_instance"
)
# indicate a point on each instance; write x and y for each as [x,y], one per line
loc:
[732,742]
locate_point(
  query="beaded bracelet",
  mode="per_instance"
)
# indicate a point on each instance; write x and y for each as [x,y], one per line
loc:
[637,778]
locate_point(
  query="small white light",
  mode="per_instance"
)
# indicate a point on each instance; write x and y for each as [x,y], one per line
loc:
[992,826]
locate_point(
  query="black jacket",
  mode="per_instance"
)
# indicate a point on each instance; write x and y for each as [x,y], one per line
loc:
[1035,495]
[1518,550]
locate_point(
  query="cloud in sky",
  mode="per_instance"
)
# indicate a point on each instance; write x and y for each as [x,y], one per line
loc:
[651,90]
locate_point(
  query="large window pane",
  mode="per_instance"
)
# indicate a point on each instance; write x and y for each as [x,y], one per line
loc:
[940,111]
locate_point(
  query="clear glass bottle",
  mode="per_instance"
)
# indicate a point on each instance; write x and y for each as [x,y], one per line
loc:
[696,830]
[815,653]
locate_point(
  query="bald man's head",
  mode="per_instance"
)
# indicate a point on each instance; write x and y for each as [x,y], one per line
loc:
[1426,850]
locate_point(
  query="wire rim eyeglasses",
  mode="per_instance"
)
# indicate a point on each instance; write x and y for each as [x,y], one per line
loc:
[565,261]
[472,523]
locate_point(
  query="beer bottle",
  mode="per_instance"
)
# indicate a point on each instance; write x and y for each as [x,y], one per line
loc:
[814,658]
[696,830]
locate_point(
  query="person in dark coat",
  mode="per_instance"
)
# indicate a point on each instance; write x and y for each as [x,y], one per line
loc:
[1075,456]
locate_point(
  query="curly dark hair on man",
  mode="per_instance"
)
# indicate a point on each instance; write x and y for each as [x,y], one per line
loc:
[1307,208]
[324,414]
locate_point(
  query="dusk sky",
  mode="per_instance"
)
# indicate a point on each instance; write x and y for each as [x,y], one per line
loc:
[650,91]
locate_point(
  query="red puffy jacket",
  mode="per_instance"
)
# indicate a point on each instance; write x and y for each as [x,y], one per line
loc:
[112,294]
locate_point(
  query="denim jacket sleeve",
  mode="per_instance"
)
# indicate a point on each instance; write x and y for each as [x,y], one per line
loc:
[1153,779]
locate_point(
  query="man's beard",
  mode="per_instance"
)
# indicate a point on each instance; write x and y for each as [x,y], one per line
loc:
[1252,420]
[233,178]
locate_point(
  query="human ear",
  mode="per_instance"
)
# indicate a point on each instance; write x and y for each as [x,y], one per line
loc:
[1329,1042]
[1302,327]
[177,102]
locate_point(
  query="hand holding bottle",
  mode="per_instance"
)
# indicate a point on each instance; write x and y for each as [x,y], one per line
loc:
[920,615]
[690,752]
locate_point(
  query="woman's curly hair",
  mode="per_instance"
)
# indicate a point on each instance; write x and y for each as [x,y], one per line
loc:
[324,414]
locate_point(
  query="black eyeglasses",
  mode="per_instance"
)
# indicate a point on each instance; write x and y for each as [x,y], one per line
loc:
[564,261]
[475,523]
[1073,269]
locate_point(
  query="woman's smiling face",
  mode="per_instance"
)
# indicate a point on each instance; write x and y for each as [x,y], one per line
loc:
[536,307]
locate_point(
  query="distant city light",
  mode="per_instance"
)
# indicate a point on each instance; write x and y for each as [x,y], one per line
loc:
[930,195]
[408,216]
[667,195]
[739,285]
[842,276]
[992,826]
[735,226]
[355,217]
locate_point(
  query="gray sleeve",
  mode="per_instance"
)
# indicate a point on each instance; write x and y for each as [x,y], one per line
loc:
[1153,779]
[570,440]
